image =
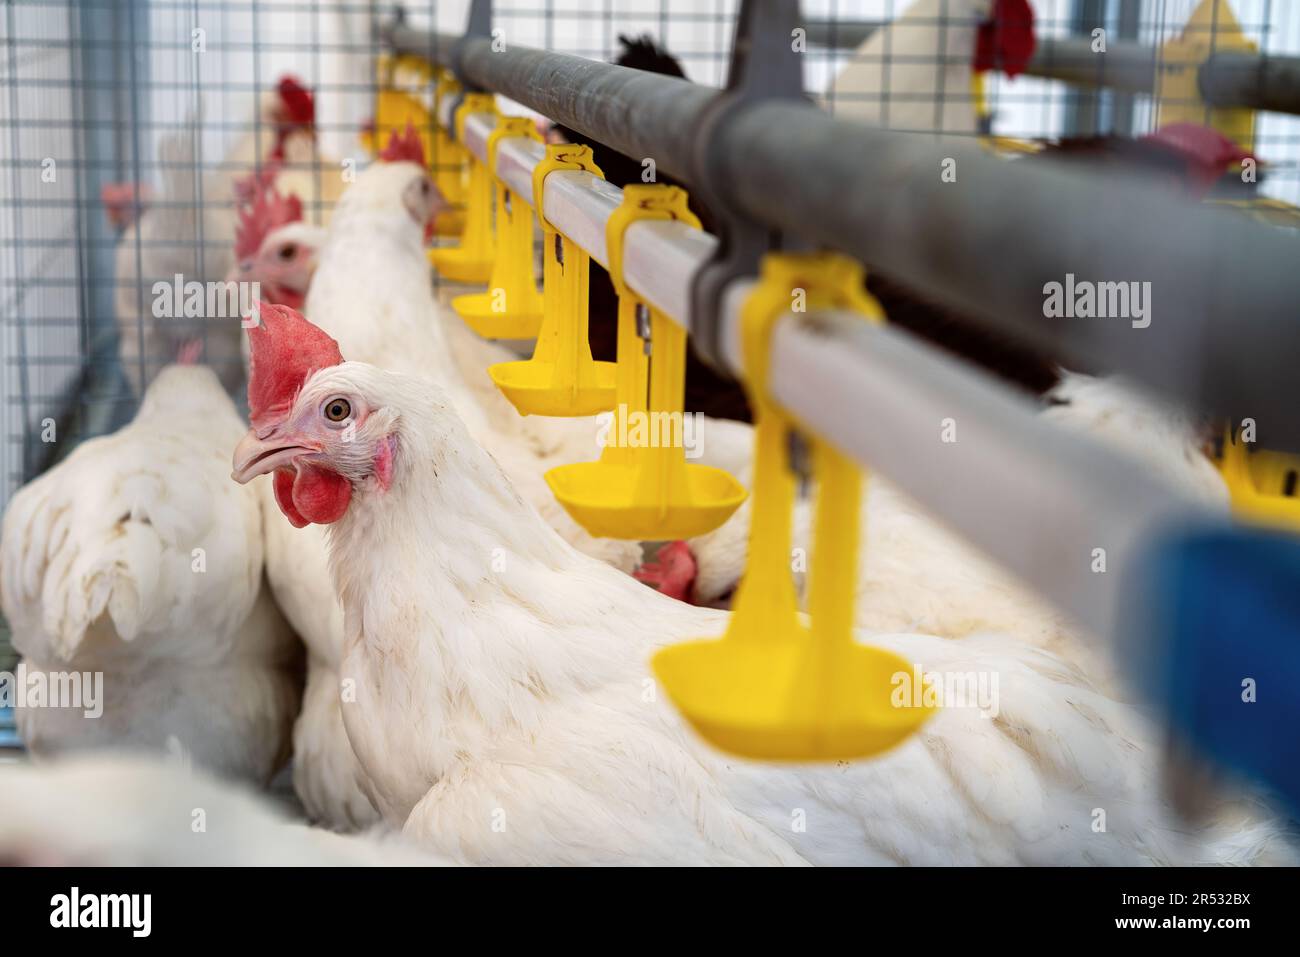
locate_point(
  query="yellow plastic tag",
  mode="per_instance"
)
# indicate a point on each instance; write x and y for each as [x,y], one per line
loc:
[471,260]
[512,307]
[561,378]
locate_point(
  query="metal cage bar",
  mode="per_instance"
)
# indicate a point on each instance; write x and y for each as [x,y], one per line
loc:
[1227,79]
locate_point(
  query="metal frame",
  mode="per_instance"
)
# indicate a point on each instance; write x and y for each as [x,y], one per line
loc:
[1227,79]
[1224,287]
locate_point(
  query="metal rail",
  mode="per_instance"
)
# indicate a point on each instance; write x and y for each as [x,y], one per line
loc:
[1227,79]
[1223,288]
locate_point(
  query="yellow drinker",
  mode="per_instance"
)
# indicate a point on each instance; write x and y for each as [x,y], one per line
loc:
[773,687]
[449,161]
[394,111]
[512,307]
[561,378]
[1262,485]
[471,260]
[642,486]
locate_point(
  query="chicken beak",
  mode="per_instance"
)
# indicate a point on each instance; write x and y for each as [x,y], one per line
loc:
[256,456]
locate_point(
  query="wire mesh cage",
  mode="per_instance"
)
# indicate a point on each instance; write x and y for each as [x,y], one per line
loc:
[116,113]
[159,154]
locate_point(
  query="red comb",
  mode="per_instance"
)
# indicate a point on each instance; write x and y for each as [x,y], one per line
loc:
[286,349]
[1006,41]
[299,105]
[404,148]
[269,212]
[246,188]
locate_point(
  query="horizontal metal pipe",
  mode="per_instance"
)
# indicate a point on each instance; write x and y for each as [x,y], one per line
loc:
[1227,79]
[1126,66]
[1222,289]
[1259,82]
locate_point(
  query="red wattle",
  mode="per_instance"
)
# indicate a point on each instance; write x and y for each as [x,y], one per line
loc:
[311,494]
[283,484]
[319,495]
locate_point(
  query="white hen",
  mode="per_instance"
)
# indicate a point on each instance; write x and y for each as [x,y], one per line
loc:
[133,558]
[372,290]
[131,811]
[915,73]
[187,232]
[505,713]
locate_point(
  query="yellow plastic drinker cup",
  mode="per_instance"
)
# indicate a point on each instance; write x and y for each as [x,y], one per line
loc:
[471,259]
[642,487]
[1263,486]
[512,307]
[449,162]
[561,378]
[774,688]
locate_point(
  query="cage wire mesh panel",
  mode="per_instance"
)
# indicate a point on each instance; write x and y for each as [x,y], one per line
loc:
[94,92]
[42,341]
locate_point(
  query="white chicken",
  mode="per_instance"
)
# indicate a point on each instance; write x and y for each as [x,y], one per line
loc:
[504,713]
[276,249]
[914,74]
[372,290]
[132,558]
[293,166]
[187,231]
[134,811]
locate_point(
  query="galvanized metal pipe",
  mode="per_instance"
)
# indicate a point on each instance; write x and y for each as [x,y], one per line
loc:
[1227,79]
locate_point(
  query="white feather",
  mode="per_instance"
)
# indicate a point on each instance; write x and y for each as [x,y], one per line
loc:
[914,74]
[372,293]
[504,712]
[138,557]
[121,811]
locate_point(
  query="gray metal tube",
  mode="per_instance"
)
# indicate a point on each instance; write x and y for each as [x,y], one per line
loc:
[1126,66]
[1223,289]
[1260,82]
[1227,79]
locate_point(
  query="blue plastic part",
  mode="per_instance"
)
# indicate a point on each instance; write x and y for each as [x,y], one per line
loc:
[8,730]
[1215,639]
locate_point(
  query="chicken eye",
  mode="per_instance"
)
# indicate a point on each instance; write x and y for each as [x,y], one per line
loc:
[288,252]
[338,410]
